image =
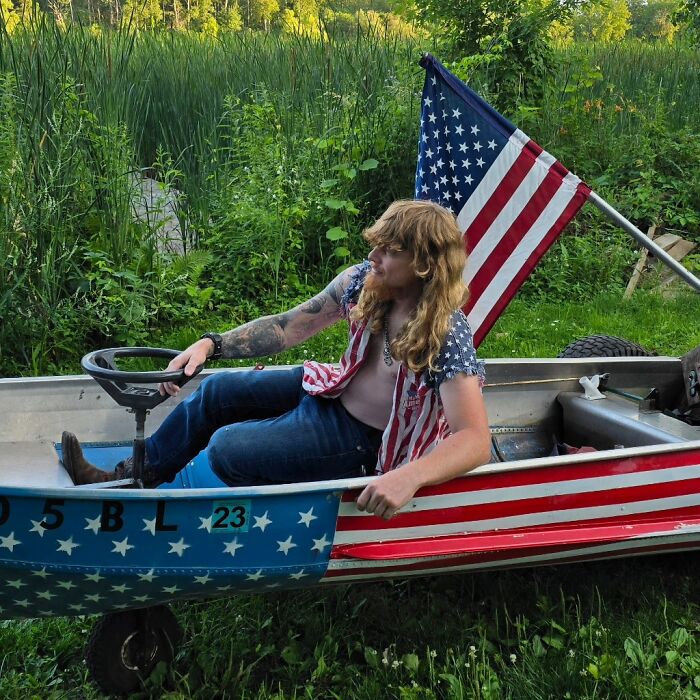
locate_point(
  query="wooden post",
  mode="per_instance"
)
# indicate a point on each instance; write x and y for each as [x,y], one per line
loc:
[634,280]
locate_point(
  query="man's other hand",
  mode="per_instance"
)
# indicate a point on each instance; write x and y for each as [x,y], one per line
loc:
[388,493]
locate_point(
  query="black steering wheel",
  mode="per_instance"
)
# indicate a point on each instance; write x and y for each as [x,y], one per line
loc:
[124,387]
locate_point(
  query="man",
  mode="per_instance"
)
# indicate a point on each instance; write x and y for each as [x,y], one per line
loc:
[407,393]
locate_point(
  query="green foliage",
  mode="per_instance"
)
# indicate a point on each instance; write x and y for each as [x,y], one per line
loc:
[602,20]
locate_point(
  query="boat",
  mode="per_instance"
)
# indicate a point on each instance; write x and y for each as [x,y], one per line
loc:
[571,478]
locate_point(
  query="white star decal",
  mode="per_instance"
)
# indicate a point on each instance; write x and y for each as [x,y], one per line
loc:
[178,547]
[223,589]
[427,101]
[121,588]
[434,80]
[432,118]
[480,162]
[492,145]
[232,546]
[466,163]
[256,576]
[286,545]
[16,583]
[24,603]
[149,526]
[95,578]
[262,522]
[456,113]
[443,180]
[424,138]
[459,130]
[447,131]
[424,189]
[94,597]
[469,179]
[66,584]
[455,180]
[477,146]
[122,547]
[78,607]
[448,148]
[46,595]
[42,573]
[429,153]
[436,135]
[433,169]
[447,196]
[9,542]
[453,165]
[203,579]
[67,546]
[141,598]
[148,576]
[306,518]
[206,523]
[272,585]
[172,590]
[298,576]
[463,147]
[38,527]
[458,196]
[93,524]
[440,163]
[475,130]
[320,545]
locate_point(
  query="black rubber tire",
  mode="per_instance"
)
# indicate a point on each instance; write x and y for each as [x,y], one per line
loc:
[119,656]
[604,346]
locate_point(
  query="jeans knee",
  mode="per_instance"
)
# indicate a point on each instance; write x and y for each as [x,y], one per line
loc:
[221,453]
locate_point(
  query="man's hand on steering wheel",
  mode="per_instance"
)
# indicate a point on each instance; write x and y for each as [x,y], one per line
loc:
[191,358]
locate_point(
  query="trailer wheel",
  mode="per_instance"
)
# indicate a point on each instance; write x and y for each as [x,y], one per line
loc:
[125,647]
[604,346]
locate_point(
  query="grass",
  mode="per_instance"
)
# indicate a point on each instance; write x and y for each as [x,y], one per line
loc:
[616,629]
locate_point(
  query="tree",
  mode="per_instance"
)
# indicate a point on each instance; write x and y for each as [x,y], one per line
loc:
[8,17]
[510,36]
[262,12]
[688,15]
[653,20]
[143,14]
[603,20]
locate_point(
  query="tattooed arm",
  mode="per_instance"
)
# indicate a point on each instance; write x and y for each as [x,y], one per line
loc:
[270,334]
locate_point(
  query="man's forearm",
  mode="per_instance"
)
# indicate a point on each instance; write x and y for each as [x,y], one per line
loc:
[263,336]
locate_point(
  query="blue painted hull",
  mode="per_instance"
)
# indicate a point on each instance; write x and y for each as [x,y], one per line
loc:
[75,551]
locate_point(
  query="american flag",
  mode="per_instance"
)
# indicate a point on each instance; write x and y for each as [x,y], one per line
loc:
[511,198]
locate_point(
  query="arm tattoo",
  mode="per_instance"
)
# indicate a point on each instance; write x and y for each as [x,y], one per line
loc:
[264,336]
[272,334]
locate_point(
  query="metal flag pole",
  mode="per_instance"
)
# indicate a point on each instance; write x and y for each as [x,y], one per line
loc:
[652,247]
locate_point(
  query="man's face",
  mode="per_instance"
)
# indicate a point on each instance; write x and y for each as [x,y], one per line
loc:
[391,272]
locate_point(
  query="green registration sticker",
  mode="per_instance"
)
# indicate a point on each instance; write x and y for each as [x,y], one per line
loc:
[230,516]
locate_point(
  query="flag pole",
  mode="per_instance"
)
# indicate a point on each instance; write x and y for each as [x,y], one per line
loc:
[645,241]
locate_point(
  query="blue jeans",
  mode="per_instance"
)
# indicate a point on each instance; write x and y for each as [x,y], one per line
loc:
[261,427]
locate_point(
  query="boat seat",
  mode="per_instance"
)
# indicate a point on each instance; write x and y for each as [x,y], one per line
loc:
[616,421]
[32,464]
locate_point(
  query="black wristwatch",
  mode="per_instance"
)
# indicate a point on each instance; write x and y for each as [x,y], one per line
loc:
[216,339]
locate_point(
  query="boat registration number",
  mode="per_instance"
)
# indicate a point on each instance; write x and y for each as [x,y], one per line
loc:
[230,515]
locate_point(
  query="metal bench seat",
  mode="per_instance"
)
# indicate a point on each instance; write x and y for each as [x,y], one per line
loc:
[616,421]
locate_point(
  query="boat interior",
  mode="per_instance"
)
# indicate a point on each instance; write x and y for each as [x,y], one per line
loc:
[537,410]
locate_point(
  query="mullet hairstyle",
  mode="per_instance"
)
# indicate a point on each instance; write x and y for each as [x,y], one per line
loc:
[430,234]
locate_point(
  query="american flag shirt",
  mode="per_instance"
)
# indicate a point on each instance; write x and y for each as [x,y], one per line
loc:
[417,421]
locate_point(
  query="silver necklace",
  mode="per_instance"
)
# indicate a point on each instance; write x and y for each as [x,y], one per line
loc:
[388,359]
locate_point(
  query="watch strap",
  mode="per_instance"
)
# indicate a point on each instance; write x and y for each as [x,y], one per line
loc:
[217,340]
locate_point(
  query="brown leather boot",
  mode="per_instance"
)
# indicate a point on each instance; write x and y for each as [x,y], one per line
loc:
[82,472]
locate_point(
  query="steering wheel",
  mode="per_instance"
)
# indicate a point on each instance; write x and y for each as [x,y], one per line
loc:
[124,387]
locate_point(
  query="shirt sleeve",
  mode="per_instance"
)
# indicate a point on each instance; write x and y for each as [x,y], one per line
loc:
[352,291]
[458,355]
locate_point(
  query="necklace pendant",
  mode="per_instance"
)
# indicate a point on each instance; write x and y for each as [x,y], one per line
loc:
[388,359]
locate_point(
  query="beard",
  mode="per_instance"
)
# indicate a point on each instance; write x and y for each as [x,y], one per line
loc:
[379,289]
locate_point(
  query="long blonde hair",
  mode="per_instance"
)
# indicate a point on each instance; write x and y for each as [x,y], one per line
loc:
[430,234]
